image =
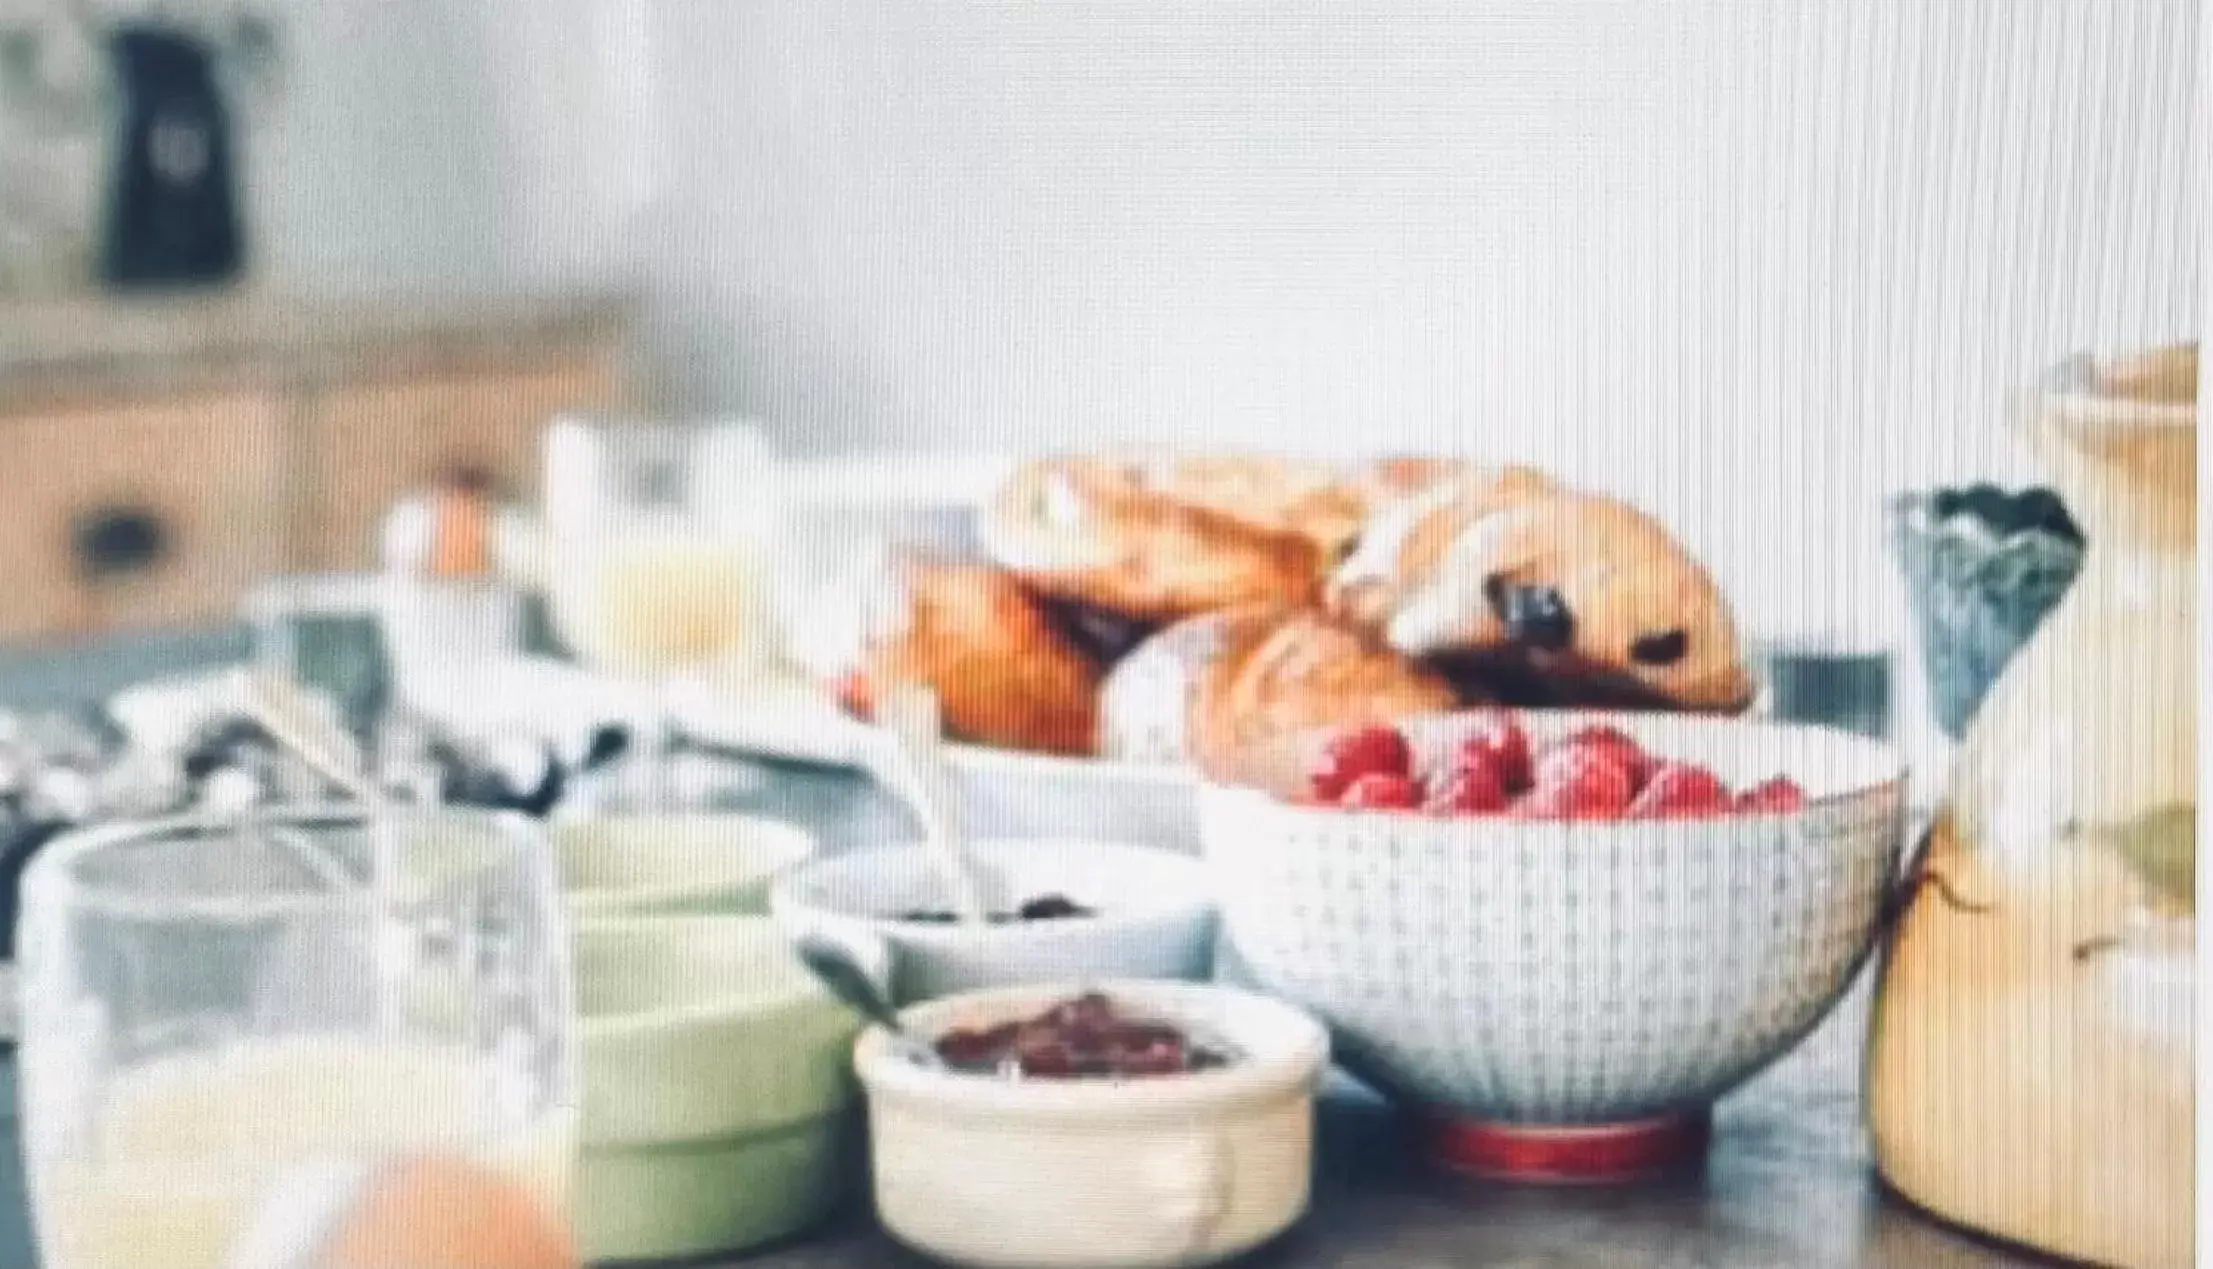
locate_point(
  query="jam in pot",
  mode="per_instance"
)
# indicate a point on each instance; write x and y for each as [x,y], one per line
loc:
[1082,1038]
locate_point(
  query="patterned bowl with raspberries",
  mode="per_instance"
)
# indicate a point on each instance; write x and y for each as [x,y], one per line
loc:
[1558,937]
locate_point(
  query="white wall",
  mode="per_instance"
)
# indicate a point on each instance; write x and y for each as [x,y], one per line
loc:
[1750,263]
[445,145]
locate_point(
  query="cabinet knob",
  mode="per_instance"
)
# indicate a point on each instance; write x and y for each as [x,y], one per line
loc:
[470,478]
[115,541]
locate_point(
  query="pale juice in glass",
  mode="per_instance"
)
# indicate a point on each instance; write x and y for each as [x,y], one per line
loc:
[183,1152]
[657,599]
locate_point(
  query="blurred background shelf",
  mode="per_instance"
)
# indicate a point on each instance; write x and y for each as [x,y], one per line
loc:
[61,347]
[161,455]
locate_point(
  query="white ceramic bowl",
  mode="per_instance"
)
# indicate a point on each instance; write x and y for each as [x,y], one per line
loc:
[697,862]
[717,1088]
[1136,1174]
[1566,974]
[1155,914]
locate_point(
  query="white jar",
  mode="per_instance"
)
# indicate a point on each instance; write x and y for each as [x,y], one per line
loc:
[446,605]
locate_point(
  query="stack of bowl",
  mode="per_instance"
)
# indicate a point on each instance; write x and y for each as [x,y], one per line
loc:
[718,1097]
[674,864]
[716,1088]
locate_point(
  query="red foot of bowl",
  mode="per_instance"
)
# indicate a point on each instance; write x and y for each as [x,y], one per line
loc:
[1583,1154]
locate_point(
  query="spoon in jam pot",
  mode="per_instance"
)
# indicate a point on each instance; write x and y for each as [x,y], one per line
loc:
[838,971]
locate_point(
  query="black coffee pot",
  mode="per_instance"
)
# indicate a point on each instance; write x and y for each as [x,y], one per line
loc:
[172,216]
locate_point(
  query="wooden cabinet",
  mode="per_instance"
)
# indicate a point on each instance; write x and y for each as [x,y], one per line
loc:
[157,458]
[368,443]
[115,515]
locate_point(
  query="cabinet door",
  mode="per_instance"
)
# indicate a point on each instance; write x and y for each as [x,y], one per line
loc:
[372,442]
[122,516]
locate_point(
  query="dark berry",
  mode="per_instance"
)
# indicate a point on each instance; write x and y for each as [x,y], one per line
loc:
[1534,616]
[1051,907]
[1665,648]
[925,917]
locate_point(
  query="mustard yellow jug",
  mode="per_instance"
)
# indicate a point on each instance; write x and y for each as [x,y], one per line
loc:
[2031,1066]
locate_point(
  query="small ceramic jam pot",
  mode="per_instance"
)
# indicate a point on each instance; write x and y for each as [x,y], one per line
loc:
[1143,1172]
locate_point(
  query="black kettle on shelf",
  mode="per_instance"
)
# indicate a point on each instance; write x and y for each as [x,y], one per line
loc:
[173,204]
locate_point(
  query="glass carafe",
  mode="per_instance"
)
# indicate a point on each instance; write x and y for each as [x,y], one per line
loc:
[2031,1065]
[658,534]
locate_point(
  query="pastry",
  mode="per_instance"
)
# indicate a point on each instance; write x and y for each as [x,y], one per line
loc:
[1004,673]
[1548,596]
[1404,541]
[1155,541]
[1145,703]
[1106,637]
[1337,511]
[1273,672]
[1159,537]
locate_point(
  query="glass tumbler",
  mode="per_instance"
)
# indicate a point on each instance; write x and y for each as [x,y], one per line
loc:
[218,1012]
[659,535]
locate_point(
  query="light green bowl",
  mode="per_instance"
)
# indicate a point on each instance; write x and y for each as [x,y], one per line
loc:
[718,1091]
[632,865]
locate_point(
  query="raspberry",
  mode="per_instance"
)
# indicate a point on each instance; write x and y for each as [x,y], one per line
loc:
[1543,803]
[1579,783]
[1471,790]
[1363,751]
[1498,742]
[1381,791]
[1773,797]
[1625,750]
[1679,789]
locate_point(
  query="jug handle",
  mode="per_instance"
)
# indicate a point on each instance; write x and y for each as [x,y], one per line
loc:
[1917,872]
